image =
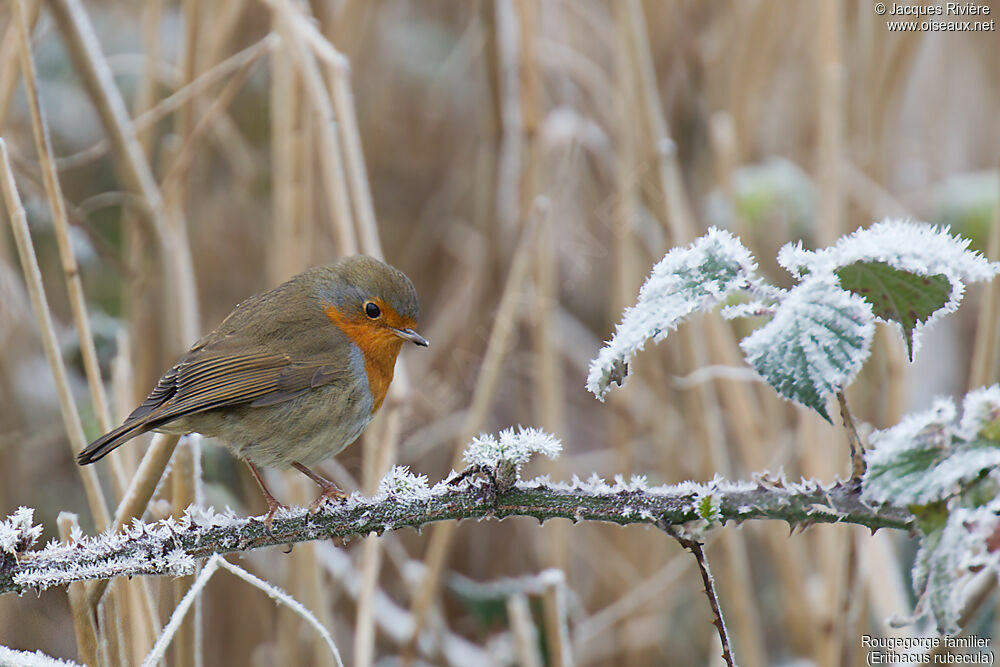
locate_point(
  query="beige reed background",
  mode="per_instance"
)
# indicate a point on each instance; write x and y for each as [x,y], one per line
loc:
[525,163]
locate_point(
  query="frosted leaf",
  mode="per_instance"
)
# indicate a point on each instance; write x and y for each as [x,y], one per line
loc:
[908,299]
[815,345]
[948,560]
[981,414]
[401,484]
[685,281]
[910,273]
[18,532]
[516,448]
[916,247]
[926,458]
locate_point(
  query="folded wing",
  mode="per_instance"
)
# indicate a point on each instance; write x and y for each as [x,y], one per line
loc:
[205,381]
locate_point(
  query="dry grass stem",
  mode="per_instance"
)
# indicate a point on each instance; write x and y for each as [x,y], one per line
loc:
[331,157]
[678,216]
[557,624]
[497,345]
[178,275]
[350,140]
[50,342]
[984,366]
[208,116]
[83,615]
[9,62]
[149,115]
[140,491]
[524,631]
[71,270]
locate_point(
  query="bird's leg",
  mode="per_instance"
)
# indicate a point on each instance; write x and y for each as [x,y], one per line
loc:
[272,504]
[330,491]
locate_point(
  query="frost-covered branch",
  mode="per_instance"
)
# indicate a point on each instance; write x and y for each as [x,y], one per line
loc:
[172,546]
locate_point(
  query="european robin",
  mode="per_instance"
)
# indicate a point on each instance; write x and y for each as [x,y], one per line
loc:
[292,376]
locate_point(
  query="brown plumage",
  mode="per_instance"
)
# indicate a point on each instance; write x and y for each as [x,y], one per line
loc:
[292,375]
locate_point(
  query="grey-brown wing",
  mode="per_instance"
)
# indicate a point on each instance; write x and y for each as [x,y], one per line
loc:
[204,381]
[208,382]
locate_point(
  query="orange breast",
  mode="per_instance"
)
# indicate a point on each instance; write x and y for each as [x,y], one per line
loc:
[379,347]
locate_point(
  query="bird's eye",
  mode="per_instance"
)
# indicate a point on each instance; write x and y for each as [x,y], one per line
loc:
[372,310]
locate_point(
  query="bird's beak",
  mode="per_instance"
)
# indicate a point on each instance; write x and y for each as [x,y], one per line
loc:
[412,336]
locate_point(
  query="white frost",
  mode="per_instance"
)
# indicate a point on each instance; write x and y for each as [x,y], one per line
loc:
[402,485]
[685,281]
[18,532]
[928,423]
[11,657]
[980,408]
[516,448]
[915,247]
[816,343]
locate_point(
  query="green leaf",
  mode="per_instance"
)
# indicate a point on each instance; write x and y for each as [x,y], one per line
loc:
[815,344]
[896,295]
[708,508]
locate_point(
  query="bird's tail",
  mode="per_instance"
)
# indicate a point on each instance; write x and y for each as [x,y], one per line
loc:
[101,447]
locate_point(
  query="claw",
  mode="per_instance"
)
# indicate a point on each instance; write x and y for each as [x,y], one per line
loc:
[272,507]
[330,491]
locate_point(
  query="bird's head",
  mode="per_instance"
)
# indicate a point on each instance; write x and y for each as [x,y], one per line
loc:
[374,304]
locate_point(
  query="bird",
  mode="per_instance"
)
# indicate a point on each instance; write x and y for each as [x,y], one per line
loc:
[289,378]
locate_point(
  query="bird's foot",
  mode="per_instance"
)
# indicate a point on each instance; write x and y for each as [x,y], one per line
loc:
[332,492]
[272,508]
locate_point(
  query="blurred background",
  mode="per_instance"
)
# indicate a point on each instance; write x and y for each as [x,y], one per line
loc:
[527,162]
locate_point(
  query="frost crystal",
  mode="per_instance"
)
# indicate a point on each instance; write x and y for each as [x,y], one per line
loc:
[925,425]
[981,414]
[401,484]
[685,281]
[908,246]
[28,659]
[18,532]
[817,342]
[179,562]
[516,448]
